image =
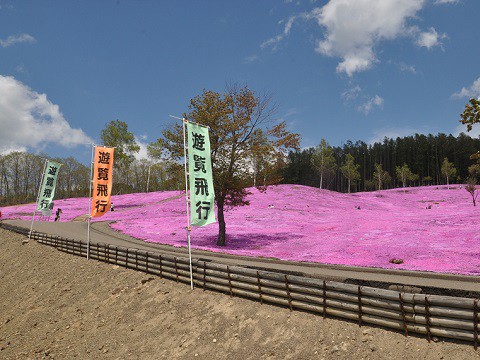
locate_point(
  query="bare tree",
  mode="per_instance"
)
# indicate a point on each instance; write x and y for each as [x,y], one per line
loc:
[471,187]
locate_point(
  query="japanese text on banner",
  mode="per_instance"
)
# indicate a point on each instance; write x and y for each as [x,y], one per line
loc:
[47,191]
[102,180]
[200,176]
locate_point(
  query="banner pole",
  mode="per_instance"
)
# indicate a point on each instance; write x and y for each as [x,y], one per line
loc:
[187,201]
[36,202]
[189,121]
[90,204]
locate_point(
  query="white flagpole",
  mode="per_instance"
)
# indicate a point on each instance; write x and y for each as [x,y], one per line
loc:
[188,201]
[90,204]
[38,195]
[189,121]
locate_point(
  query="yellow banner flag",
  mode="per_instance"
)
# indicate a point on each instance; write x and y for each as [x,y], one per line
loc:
[102,180]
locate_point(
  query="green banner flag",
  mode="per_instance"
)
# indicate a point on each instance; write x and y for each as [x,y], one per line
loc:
[47,191]
[200,173]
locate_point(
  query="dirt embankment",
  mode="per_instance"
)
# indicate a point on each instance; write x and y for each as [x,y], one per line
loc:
[55,305]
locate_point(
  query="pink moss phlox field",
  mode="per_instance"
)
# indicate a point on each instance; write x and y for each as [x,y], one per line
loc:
[429,228]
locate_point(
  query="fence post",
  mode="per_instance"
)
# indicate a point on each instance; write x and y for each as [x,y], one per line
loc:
[324,299]
[288,293]
[259,287]
[146,262]
[161,270]
[204,274]
[229,281]
[475,323]
[359,306]
[427,318]
[403,314]
[176,268]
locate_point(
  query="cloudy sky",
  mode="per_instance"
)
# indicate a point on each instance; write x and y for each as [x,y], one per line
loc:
[339,69]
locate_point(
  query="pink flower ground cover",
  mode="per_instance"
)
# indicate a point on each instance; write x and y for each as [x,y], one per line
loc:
[429,228]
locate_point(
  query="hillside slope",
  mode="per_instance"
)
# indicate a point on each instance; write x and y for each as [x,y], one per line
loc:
[428,228]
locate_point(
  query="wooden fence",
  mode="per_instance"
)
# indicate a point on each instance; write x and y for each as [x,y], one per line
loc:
[431,315]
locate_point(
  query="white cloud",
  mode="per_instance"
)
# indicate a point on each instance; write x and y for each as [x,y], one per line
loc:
[29,120]
[290,117]
[143,153]
[351,93]
[354,27]
[430,38]
[21,69]
[250,59]
[5,4]
[446,1]
[368,106]
[407,68]
[274,41]
[474,133]
[393,133]
[15,39]
[472,91]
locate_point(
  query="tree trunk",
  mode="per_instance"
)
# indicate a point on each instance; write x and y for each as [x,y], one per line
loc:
[349,186]
[321,179]
[221,223]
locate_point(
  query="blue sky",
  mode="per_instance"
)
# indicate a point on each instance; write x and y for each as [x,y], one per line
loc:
[339,69]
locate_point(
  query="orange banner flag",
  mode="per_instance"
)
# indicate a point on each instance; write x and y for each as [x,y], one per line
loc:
[102,180]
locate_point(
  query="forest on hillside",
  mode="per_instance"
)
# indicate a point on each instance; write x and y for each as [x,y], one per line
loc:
[424,155]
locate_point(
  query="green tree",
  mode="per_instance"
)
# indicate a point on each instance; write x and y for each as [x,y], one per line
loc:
[298,168]
[232,118]
[404,174]
[323,160]
[350,170]
[166,174]
[474,171]
[448,170]
[381,176]
[427,180]
[116,134]
[471,114]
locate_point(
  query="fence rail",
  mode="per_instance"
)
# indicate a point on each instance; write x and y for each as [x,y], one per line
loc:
[430,315]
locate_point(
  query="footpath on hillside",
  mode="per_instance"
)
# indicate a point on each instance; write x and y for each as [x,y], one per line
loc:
[432,283]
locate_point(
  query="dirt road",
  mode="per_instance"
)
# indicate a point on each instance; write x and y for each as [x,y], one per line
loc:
[448,284]
[57,306]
